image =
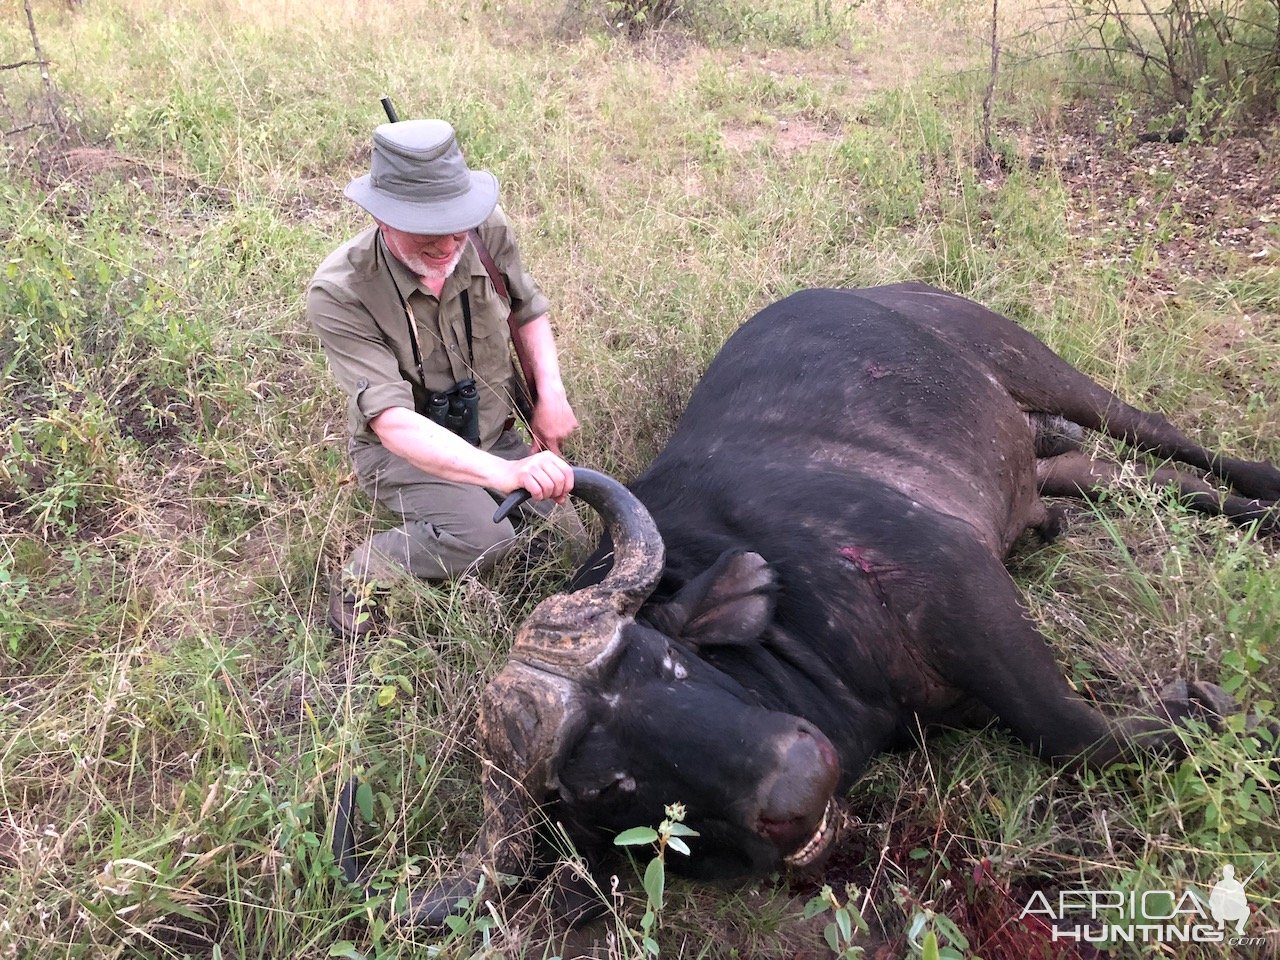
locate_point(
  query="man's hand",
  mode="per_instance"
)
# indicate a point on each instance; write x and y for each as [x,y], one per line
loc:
[544,475]
[553,420]
[434,450]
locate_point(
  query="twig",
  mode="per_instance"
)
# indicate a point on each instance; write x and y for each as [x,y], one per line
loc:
[20,63]
[989,99]
[54,113]
[23,129]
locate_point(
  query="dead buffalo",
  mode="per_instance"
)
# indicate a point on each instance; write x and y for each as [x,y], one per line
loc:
[807,574]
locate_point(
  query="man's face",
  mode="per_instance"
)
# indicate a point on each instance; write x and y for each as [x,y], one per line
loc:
[431,257]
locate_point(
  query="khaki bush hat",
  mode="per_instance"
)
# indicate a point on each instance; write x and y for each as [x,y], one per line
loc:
[419,183]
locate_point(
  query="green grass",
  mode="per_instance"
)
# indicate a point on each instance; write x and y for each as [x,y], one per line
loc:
[174,717]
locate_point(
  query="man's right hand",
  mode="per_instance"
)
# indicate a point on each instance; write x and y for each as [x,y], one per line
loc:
[434,450]
[544,475]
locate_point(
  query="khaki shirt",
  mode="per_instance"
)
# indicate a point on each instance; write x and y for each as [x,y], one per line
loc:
[353,306]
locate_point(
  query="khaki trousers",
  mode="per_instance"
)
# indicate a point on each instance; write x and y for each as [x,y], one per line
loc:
[447,527]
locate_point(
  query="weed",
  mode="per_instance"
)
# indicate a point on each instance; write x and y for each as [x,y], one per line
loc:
[174,494]
[668,835]
[932,936]
[845,919]
[16,590]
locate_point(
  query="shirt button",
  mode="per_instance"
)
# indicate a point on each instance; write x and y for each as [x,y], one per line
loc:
[362,384]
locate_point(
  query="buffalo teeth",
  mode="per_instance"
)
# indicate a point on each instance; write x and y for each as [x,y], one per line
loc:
[817,843]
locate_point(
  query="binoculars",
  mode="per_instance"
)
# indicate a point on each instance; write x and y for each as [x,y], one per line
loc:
[457,410]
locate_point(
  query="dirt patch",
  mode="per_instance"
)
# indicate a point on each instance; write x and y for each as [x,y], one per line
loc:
[87,165]
[785,137]
[90,161]
[1190,208]
[821,68]
[890,45]
[316,200]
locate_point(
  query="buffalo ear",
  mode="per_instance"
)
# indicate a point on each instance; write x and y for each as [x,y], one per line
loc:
[731,602]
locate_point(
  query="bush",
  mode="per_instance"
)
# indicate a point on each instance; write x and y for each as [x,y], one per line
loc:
[631,17]
[1212,59]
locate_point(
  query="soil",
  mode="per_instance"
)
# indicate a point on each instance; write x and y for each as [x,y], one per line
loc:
[787,136]
[1195,208]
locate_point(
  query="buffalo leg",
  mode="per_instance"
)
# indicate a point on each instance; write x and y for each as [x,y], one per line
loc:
[1001,659]
[1077,475]
[1152,433]
[1041,380]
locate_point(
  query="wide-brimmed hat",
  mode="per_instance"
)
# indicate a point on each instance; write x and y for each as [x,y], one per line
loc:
[419,183]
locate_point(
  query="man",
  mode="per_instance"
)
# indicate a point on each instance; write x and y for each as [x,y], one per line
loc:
[410,314]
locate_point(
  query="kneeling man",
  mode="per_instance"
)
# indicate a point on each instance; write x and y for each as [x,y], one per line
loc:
[415,315]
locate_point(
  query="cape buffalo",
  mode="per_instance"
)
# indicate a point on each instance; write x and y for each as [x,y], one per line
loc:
[835,506]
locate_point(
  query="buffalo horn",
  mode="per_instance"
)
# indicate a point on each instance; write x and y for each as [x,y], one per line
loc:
[637,546]
[531,709]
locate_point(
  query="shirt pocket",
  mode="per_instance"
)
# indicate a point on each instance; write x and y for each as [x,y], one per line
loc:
[490,333]
[436,366]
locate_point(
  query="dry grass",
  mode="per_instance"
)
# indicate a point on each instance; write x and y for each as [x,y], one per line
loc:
[174,719]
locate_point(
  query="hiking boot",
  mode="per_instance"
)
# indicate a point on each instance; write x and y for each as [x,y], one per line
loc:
[354,615]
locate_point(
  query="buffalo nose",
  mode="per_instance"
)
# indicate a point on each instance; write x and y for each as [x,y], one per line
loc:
[793,803]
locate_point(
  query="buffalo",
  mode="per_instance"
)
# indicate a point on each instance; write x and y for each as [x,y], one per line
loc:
[809,573]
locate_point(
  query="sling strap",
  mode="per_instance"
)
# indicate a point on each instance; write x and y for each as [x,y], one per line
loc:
[526,385]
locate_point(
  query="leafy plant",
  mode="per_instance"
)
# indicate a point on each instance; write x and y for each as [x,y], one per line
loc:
[845,918]
[15,589]
[669,834]
[1253,621]
[953,945]
[1209,57]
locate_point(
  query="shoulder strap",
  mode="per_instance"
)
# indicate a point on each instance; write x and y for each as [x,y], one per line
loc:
[526,386]
[490,267]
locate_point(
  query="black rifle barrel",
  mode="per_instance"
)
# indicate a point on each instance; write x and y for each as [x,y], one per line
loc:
[388,106]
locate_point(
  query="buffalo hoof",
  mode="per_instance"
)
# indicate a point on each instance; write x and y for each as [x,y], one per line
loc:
[1052,526]
[575,900]
[1209,702]
[1256,478]
[431,909]
[1197,700]
[1269,522]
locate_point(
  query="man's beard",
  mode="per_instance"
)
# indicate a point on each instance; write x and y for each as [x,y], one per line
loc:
[431,273]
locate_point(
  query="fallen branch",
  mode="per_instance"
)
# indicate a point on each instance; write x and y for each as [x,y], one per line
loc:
[20,63]
[23,129]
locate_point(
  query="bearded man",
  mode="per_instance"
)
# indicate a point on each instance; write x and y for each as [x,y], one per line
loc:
[415,315]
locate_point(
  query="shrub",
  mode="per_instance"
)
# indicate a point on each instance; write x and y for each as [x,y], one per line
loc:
[1210,58]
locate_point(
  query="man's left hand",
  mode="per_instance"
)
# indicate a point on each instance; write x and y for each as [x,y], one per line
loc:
[553,420]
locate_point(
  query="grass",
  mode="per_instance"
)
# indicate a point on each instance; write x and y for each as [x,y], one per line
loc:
[175,718]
